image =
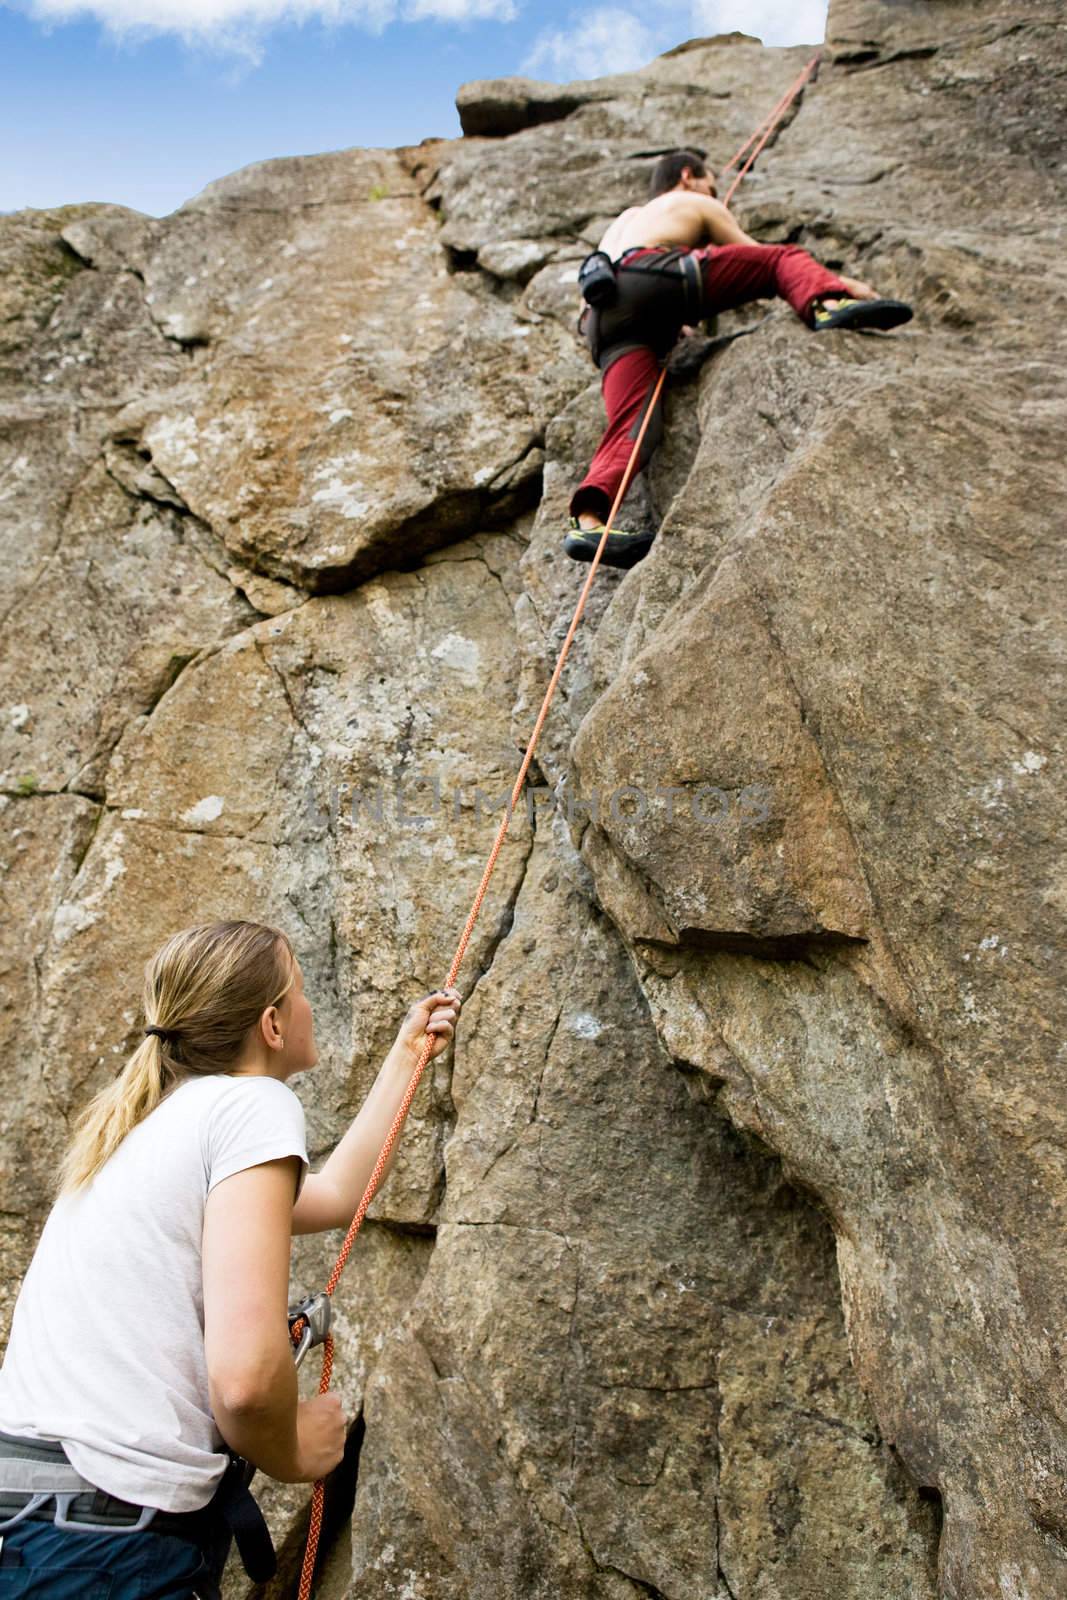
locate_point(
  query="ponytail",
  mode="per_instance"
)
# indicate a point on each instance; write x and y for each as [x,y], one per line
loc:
[111,1114]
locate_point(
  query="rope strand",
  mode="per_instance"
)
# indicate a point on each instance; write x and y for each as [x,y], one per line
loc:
[765,129]
[772,122]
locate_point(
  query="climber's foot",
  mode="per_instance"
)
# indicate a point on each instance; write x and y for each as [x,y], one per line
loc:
[621,549]
[842,312]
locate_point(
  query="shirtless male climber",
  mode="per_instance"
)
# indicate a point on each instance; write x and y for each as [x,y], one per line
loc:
[661,267]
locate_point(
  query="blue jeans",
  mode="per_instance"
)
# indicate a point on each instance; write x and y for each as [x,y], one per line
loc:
[39,1561]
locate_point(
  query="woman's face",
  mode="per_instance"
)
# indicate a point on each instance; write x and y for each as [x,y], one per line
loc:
[297,1026]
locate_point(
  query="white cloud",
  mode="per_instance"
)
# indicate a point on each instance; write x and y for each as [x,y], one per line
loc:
[607,40]
[203,16]
[611,39]
[240,25]
[461,10]
[773,21]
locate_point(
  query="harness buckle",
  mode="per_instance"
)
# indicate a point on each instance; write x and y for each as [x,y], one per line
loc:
[316,1313]
[62,1519]
[34,1503]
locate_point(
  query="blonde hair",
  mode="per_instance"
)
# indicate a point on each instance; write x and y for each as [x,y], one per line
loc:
[204,990]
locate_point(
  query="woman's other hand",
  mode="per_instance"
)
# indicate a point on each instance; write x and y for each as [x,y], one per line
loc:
[320,1434]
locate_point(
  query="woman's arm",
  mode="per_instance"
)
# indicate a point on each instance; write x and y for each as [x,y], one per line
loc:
[330,1197]
[249,1357]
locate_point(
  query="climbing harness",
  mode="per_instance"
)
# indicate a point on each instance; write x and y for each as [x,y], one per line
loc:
[41,1471]
[302,1318]
[34,1472]
[658,290]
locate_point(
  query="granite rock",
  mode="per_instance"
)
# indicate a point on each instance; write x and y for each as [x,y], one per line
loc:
[723,1253]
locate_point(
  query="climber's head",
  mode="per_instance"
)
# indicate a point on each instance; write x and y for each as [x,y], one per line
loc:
[222,997]
[681,169]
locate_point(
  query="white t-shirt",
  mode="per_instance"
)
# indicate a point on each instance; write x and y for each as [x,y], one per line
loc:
[107,1344]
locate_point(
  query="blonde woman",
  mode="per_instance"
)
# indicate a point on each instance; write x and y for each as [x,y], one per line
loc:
[149,1369]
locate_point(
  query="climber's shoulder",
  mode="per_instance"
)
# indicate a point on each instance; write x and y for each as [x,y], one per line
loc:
[680,219]
[616,237]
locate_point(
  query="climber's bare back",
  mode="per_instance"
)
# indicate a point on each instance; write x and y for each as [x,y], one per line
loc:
[682,218]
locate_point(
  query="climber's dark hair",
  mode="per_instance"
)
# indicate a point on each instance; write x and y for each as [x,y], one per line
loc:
[669,168]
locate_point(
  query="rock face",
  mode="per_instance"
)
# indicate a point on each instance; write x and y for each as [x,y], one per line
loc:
[724,1255]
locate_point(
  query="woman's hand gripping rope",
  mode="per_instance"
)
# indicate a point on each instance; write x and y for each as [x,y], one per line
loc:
[436,1014]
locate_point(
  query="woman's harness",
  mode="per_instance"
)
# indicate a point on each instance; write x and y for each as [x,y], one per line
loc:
[35,1471]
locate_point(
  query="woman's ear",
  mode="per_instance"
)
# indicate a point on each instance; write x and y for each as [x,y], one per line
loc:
[270,1027]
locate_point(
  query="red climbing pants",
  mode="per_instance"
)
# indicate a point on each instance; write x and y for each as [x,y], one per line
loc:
[732,274]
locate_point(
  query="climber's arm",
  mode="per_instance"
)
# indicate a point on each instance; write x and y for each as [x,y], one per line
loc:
[719,226]
[245,1263]
[331,1197]
[251,1376]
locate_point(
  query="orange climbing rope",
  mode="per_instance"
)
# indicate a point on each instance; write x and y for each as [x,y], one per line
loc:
[767,127]
[762,134]
[409,1094]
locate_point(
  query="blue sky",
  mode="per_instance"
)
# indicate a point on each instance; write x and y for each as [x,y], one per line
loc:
[143,102]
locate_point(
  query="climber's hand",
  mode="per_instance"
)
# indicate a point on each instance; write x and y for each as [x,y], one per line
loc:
[436,1014]
[857,289]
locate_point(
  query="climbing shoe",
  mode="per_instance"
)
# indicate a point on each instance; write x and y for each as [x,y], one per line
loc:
[861,314]
[621,549]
